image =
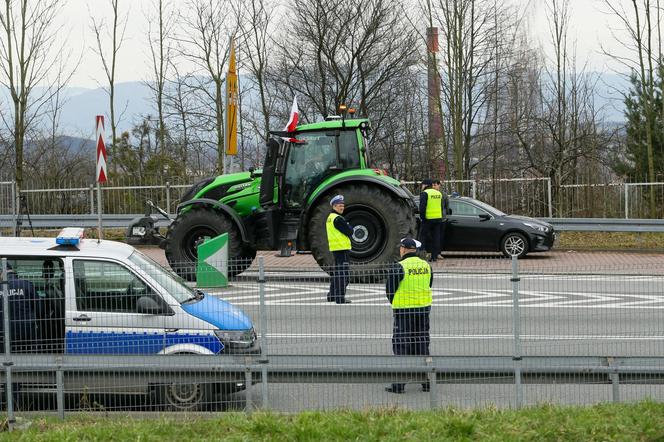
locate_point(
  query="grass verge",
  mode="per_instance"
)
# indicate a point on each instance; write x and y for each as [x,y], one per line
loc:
[610,241]
[606,422]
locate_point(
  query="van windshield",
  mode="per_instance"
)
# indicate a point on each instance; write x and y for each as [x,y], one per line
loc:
[169,281]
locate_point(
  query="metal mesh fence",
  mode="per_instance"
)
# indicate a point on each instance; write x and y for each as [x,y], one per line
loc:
[522,196]
[638,200]
[94,333]
[591,201]
[7,206]
[119,196]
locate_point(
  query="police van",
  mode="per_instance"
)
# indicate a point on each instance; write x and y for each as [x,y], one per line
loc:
[105,297]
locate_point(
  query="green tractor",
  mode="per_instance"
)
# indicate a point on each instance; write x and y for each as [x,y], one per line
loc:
[285,205]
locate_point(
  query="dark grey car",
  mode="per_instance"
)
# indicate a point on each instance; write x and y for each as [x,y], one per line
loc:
[476,226]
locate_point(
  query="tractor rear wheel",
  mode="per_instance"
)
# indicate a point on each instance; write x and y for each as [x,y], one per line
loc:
[191,228]
[379,219]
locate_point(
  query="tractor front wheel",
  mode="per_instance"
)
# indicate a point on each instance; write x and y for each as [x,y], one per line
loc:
[191,228]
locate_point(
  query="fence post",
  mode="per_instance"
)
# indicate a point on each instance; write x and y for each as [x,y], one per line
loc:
[248,404]
[168,197]
[615,382]
[549,197]
[433,385]
[516,328]
[60,392]
[626,200]
[92,199]
[14,206]
[7,336]
[262,313]
[473,189]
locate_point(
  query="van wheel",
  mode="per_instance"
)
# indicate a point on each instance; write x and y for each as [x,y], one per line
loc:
[184,397]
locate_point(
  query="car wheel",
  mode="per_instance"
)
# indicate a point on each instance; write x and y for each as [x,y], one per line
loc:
[514,244]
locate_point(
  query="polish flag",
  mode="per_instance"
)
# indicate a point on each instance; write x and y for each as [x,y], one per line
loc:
[294,117]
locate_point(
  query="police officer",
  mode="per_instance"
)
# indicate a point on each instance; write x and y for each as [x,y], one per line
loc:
[23,301]
[408,289]
[51,312]
[431,211]
[437,185]
[339,233]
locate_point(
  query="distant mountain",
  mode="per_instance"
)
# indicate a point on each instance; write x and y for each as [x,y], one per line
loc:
[132,100]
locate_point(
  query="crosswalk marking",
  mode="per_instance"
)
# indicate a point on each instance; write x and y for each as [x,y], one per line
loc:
[285,294]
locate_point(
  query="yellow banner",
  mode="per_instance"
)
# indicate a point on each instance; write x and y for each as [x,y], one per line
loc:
[232,104]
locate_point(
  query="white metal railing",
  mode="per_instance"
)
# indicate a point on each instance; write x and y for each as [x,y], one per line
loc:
[525,196]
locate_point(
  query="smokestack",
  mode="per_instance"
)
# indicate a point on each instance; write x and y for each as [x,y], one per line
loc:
[435,117]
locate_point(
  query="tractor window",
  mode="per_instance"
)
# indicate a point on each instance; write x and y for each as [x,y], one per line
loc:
[349,154]
[312,160]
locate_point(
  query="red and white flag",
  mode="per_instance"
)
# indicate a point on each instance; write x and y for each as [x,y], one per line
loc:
[102,173]
[294,117]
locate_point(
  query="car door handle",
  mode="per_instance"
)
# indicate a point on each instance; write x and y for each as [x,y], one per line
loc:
[83,318]
[453,221]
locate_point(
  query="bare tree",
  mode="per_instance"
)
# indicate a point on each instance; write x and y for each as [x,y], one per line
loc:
[256,25]
[28,50]
[468,33]
[109,58]
[348,52]
[560,127]
[204,40]
[159,25]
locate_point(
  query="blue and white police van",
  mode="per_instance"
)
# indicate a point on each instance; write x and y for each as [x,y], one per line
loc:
[107,298]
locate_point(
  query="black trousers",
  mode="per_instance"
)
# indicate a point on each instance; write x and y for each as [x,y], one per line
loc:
[430,235]
[411,334]
[340,275]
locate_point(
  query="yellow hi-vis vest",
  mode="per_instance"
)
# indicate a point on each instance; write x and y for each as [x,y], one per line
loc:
[335,239]
[434,204]
[414,290]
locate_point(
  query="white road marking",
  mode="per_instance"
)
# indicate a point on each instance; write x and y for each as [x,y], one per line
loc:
[314,294]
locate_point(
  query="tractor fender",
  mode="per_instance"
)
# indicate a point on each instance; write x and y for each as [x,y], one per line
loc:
[398,191]
[217,205]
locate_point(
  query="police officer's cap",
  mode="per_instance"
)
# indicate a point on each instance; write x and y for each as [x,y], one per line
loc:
[410,243]
[339,199]
[427,182]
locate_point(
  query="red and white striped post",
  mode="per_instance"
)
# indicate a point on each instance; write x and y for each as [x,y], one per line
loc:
[102,173]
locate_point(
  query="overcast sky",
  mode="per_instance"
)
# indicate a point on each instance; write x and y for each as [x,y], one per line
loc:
[589,27]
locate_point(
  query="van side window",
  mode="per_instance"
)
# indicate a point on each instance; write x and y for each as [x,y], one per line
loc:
[103,286]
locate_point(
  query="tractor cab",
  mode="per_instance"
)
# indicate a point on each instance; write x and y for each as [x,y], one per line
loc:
[302,160]
[298,163]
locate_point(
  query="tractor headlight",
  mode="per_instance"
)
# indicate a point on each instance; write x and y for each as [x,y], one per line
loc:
[237,338]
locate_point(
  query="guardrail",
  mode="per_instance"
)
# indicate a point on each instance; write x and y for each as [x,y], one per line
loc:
[560,224]
[605,224]
[350,369]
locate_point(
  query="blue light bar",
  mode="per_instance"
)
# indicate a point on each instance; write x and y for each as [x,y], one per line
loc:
[71,236]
